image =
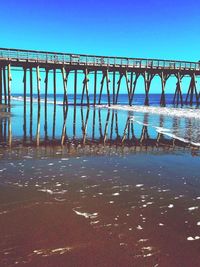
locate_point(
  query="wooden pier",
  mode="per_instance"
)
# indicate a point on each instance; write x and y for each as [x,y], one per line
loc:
[113,70]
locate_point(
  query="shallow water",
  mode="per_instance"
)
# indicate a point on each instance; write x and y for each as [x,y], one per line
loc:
[99,187]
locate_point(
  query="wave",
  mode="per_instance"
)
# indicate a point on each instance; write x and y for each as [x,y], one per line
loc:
[168,111]
[35,100]
[167,132]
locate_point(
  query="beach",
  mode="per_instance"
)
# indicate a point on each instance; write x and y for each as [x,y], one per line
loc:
[112,187]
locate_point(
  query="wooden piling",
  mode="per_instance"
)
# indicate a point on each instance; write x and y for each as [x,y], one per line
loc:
[54,86]
[95,87]
[107,85]
[75,87]
[147,79]
[5,85]
[192,91]
[45,103]
[114,87]
[118,87]
[1,85]
[85,88]
[46,89]
[9,83]
[128,87]
[24,81]
[93,124]
[164,78]
[24,126]
[178,91]
[101,89]
[65,79]
[38,83]
[133,87]
[31,90]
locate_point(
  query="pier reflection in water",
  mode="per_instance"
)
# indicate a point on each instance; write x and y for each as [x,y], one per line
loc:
[60,206]
[77,126]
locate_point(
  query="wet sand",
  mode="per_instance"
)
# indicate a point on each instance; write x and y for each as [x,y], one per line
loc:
[108,210]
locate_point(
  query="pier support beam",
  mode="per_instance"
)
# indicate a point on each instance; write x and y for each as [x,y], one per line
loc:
[118,87]
[192,91]
[54,86]
[46,88]
[164,78]
[45,102]
[101,89]
[5,85]
[85,88]
[65,74]
[107,86]
[148,77]
[74,123]
[9,83]
[95,87]
[75,86]
[113,87]
[31,92]
[0,85]
[128,87]
[133,86]
[178,92]
[93,124]
[24,81]
[38,83]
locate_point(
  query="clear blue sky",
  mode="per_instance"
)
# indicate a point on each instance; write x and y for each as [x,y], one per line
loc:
[168,29]
[151,28]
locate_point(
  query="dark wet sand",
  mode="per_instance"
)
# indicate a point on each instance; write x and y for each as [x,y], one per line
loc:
[111,210]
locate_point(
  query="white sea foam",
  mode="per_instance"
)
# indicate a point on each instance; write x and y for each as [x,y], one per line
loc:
[193,208]
[49,252]
[190,238]
[169,111]
[139,185]
[174,136]
[35,100]
[86,214]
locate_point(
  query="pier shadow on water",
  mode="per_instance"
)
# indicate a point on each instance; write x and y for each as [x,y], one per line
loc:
[98,187]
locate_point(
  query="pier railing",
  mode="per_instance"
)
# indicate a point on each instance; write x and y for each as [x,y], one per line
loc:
[92,60]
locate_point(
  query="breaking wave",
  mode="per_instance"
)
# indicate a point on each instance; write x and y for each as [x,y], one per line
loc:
[168,111]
